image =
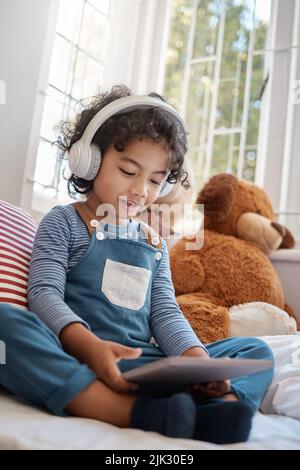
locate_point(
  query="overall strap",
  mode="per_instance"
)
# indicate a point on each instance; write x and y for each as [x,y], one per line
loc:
[85,214]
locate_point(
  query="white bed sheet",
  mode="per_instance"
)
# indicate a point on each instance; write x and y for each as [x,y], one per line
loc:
[25,427]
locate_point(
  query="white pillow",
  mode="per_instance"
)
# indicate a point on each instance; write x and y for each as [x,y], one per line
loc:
[259,319]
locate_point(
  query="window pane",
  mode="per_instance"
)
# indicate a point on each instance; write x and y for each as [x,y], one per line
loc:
[86,27]
[197,160]
[98,37]
[249,162]
[74,109]
[56,94]
[60,63]
[225,153]
[101,5]
[262,19]
[49,193]
[52,114]
[87,78]
[69,18]
[63,181]
[231,91]
[78,79]
[199,109]
[181,15]
[207,24]
[45,163]
[238,24]
[93,79]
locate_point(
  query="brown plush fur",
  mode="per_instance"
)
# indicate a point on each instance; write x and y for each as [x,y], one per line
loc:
[227,270]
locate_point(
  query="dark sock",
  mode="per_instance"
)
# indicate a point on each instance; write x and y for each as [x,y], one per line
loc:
[173,416]
[223,422]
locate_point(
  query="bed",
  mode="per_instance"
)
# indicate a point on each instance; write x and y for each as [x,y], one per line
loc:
[276,427]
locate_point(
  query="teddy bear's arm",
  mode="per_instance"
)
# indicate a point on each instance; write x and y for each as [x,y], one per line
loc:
[207,316]
[187,273]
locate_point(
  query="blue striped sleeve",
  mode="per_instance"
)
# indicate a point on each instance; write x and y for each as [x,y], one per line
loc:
[48,270]
[169,327]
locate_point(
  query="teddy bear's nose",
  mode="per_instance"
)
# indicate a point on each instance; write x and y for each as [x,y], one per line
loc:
[280,229]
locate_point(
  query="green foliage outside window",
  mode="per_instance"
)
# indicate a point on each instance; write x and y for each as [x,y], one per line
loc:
[232,79]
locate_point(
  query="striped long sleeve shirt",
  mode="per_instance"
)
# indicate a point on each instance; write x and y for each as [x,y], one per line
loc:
[61,241]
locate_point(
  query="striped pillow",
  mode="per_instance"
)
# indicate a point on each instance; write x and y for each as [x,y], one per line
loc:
[17,231]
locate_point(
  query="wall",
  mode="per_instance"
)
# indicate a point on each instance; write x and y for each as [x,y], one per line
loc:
[24,31]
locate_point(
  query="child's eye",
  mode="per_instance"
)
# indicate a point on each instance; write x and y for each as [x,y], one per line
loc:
[158,183]
[126,172]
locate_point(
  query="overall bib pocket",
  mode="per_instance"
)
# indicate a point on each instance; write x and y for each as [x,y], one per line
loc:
[125,285]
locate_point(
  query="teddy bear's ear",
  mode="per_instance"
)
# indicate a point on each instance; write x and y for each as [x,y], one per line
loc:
[288,240]
[218,196]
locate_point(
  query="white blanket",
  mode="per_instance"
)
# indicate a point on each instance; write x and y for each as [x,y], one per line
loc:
[283,396]
[25,427]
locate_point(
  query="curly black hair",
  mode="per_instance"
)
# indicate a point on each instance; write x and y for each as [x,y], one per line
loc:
[155,124]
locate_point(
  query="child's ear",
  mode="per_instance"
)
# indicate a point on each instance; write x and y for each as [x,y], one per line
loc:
[218,196]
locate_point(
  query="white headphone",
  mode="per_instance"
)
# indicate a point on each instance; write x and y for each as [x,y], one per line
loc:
[85,157]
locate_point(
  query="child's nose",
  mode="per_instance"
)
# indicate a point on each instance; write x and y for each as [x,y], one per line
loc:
[139,188]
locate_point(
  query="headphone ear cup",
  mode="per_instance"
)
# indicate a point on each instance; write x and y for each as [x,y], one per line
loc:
[166,189]
[74,158]
[95,162]
[84,166]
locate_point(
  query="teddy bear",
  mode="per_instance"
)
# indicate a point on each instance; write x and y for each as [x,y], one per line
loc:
[229,287]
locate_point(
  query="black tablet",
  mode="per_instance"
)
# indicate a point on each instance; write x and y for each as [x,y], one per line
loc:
[176,373]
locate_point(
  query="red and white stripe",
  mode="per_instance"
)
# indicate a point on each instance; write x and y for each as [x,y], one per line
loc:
[17,231]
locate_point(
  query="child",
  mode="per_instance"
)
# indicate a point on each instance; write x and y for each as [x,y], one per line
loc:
[100,288]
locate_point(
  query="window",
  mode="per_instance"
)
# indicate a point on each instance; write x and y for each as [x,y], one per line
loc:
[76,72]
[231,67]
[215,76]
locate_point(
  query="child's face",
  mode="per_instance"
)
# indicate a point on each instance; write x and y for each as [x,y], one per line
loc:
[136,173]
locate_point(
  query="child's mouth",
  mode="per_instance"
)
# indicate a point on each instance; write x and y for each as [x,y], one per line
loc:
[132,207]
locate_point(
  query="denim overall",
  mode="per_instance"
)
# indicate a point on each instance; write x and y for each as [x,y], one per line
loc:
[110,287]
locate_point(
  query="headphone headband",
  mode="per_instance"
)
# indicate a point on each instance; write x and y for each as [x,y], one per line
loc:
[122,105]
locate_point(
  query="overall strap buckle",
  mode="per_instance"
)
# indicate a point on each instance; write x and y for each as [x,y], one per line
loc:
[153,238]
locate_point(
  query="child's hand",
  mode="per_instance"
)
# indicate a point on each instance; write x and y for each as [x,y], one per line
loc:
[211,389]
[103,361]
[101,356]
